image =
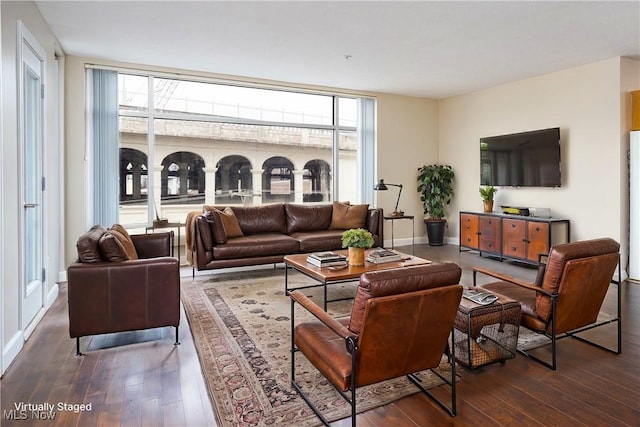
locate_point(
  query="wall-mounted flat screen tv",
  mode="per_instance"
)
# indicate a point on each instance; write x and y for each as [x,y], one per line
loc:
[526,159]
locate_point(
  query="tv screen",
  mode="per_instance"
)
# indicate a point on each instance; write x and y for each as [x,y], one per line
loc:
[527,159]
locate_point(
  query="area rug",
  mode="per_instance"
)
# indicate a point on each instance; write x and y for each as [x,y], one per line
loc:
[241,327]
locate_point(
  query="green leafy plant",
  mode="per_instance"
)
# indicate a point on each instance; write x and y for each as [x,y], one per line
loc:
[487,193]
[357,238]
[435,185]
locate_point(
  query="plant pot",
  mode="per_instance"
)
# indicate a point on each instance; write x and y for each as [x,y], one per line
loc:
[356,256]
[488,205]
[435,231]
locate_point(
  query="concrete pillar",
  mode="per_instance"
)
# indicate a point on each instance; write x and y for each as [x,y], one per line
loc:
[184,178]
[210,185]
[257,185]
[157,190]
[297,185]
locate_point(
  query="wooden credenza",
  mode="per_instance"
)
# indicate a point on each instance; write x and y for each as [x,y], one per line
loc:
[520,238]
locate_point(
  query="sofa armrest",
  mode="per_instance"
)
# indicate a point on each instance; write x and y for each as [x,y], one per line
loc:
[130,295]
[375,225]
[152,245]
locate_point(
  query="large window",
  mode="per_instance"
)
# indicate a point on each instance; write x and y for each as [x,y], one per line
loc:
[216,144]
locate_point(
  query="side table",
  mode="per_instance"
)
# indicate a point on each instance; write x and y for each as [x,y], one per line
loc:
[486,333]
[393,219]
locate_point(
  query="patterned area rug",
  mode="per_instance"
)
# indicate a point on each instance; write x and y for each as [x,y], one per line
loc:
[241,327]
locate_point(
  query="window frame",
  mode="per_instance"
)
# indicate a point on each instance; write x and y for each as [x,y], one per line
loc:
[365,150]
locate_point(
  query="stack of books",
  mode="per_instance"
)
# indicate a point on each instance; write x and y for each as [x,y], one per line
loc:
[326,259]
[381,256]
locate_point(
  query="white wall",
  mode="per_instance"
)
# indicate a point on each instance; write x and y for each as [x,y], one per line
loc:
[585,102]
[407,140]
[12,332]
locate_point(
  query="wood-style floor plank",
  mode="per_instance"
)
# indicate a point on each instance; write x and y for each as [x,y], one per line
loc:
[141,379]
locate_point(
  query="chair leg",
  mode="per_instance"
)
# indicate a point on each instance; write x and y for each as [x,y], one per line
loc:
[351,401]
[573,334]
[553,338]
[78,353]
[177,337]
[451,410]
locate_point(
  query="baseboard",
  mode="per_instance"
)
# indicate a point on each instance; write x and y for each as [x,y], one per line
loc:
[52,295]
[12,349]
[62,276]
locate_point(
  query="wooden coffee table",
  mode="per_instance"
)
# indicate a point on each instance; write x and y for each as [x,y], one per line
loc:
[326,276]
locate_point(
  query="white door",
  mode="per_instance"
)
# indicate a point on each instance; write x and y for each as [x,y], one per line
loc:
[31,90]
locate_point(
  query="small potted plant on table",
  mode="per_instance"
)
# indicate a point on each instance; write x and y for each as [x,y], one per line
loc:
[487,194]
[357,240]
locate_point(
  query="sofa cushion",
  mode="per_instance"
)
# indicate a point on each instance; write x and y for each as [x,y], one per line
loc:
[88,245]
[318,241]
[307,217]
[256,245]
[261,219]
[346,216]
[224,224]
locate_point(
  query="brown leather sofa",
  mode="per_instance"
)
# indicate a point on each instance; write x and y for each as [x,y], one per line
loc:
[134,291]
[269,232]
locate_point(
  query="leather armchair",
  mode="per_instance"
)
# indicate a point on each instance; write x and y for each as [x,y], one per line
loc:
[399,325]
[106,297]
[570,289]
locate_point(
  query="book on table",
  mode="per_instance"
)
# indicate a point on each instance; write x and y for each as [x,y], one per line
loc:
[326,259]
[381,256]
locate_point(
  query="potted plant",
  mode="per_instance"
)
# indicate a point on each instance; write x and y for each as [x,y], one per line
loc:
[487,194]
[357,240]
[435,185]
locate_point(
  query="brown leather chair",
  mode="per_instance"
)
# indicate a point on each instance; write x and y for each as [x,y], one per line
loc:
[117,296]
[399,325]
[568,293]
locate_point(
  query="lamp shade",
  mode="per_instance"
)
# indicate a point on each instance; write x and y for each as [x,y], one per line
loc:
[381,186]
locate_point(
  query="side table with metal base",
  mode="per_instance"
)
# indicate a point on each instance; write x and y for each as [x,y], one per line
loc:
[393,219]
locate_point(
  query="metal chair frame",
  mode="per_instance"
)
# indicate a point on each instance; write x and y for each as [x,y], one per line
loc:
[552,364]
[350,398]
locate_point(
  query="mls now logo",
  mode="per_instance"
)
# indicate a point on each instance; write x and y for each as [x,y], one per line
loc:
[14,414]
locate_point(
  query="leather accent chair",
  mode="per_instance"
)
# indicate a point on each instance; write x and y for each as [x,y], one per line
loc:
[106,297]
[399,325]
[570,289]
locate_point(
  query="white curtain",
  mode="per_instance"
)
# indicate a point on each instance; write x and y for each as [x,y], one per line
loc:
[367,148]
[103,147]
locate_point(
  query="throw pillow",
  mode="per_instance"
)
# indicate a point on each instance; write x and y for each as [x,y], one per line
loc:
[346,216]
[120,233]
[215,225]
[88,245]
[112,250]
[230,223]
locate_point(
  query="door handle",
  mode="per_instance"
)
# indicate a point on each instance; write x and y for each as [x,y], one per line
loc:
[30,205]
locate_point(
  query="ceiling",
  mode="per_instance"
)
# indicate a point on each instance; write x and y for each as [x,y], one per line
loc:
[426,49]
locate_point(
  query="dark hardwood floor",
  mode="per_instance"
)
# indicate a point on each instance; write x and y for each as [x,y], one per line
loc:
[141,379]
